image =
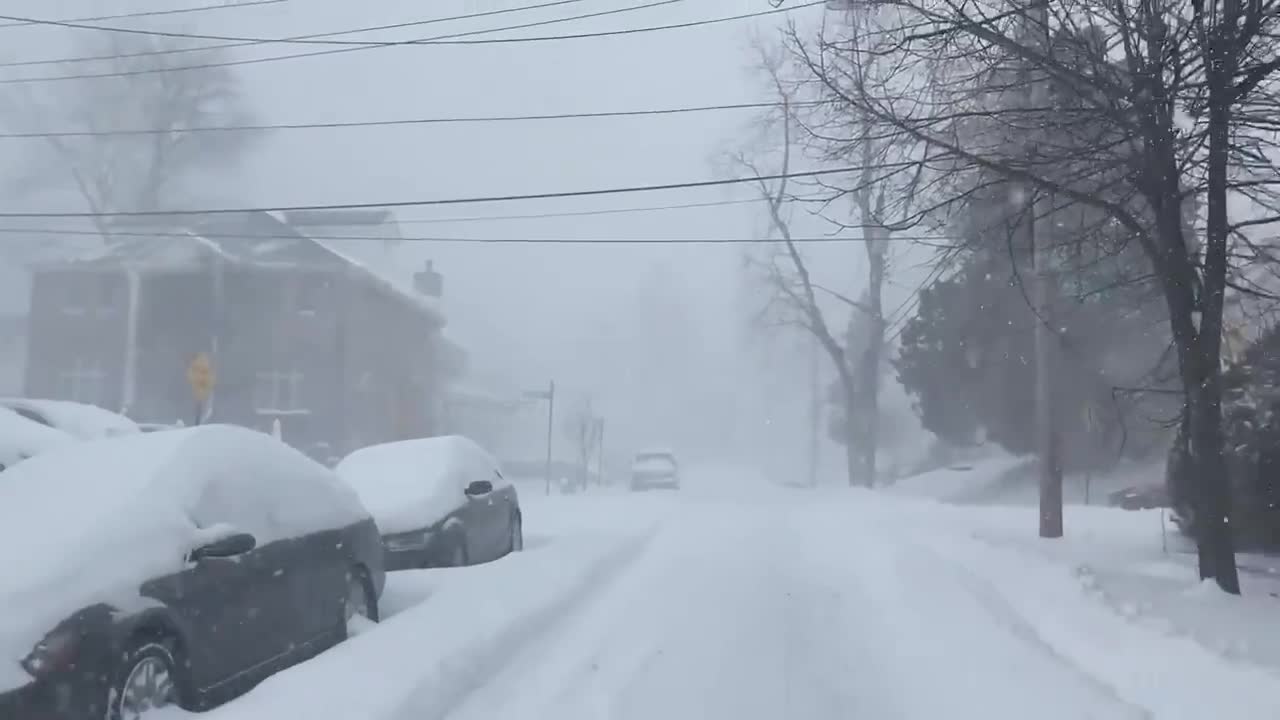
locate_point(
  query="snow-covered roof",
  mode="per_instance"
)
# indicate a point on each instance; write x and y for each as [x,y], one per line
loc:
[251,238]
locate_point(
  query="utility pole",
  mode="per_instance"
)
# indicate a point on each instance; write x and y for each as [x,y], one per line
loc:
[551,419]
[1041,247]
[550,396]
[815,411]
[600,453]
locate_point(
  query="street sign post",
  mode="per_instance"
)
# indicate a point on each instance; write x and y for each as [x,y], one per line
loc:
[201,379]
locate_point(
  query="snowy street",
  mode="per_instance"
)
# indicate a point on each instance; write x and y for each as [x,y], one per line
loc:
[760,602]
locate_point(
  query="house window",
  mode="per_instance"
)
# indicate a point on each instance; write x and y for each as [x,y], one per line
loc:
[84,382]
[278,391]
[92,292]
[310,289]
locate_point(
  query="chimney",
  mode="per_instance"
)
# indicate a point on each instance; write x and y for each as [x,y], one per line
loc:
[428,281]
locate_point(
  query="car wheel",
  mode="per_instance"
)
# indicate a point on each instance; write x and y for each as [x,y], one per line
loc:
[145,681]
[360,603]
[517,535]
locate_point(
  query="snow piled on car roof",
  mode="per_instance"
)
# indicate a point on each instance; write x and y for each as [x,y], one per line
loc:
[411,484]
[86,422]
[90,522]
[21,438]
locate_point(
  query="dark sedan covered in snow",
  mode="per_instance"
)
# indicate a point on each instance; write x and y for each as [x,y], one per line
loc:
[439,502]
[175,568]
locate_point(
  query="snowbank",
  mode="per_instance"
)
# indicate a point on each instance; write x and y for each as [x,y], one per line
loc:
[470,622]
[961,481]
[412,484]
[91,521]
[1116,600]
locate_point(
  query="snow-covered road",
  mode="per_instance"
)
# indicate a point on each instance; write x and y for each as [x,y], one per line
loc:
[784,608]
[733,601]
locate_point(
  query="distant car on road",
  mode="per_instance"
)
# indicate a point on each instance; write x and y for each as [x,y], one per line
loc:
[439,502]
[655,469]
[1140,498]
[86,422]
[173,568]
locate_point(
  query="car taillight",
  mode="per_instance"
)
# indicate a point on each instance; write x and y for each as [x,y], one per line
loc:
[57,651]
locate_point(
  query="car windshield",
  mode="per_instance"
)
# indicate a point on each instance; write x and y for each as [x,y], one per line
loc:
[640,359]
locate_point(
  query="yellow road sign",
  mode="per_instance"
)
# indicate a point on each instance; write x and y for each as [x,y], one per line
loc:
[200,377]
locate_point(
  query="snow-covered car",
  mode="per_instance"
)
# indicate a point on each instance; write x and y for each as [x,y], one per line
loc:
[438,501]
[655,469]
[173,568]
[21,438]
[86,422]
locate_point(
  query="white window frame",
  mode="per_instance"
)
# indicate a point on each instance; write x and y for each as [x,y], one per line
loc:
[85,382]
[278,392]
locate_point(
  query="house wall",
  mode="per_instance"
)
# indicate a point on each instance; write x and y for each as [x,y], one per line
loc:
[341,362]
[392,380]
[280,349]
[76,332]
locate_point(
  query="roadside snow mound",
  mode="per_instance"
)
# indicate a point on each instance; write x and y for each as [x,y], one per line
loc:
[90,522]
[411,484]
[960,481]
[420,662]
[87,422]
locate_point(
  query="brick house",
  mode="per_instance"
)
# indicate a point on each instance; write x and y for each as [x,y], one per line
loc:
[297,332]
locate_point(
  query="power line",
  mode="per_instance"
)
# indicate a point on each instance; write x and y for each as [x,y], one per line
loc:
[443,40]
[385,43]
[822,239]
[156,13]
[335,33]
[410,121]
[468,200]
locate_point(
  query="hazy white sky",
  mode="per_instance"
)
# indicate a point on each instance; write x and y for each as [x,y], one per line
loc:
[585,315]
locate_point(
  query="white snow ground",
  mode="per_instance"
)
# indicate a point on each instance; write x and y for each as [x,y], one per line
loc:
[736,600]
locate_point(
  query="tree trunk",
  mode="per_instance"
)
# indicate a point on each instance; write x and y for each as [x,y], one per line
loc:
[852,436]
[869,386]
[1215,543]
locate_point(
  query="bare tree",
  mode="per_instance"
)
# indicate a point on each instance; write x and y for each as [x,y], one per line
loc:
[1163,96]
[124,141]
[585,431]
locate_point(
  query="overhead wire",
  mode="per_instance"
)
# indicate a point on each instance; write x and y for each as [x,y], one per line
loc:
[820,239]
[333,33]
[551,195]
[156,13]
[444,120]
[443,40]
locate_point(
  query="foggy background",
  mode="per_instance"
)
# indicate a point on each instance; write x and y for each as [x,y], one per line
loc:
[662,339]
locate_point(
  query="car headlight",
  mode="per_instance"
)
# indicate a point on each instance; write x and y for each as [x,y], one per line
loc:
[56,651]
[407,541]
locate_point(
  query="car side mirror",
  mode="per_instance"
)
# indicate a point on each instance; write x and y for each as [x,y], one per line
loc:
[229,546]
[478,488]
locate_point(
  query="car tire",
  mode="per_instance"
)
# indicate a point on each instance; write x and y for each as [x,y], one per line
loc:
[150,669]
[516,541]
[359,588]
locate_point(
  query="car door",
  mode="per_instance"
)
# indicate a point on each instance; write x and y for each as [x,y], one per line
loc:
[218,601]
[256,607]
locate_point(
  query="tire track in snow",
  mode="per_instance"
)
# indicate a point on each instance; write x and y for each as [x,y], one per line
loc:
[452,685]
